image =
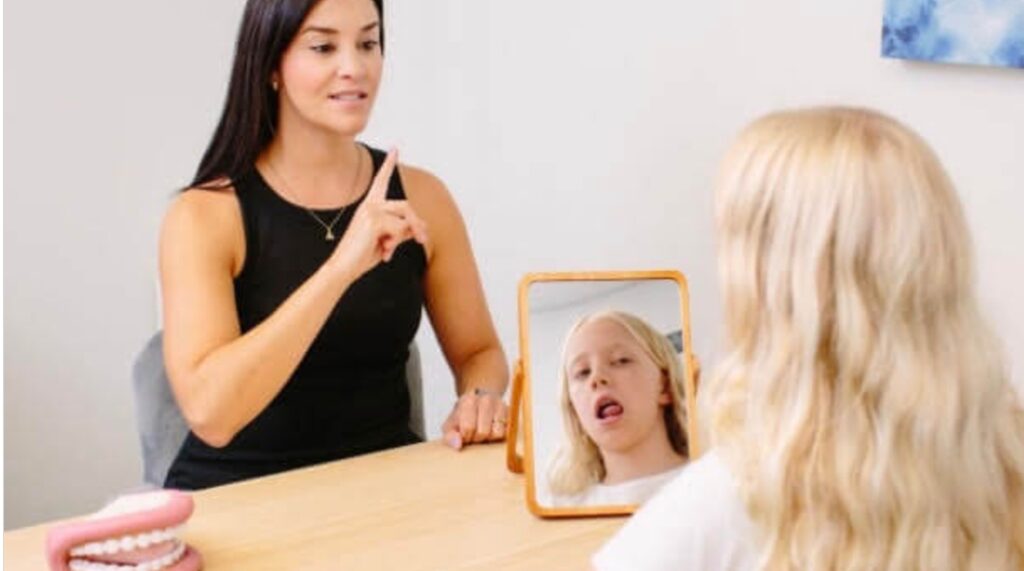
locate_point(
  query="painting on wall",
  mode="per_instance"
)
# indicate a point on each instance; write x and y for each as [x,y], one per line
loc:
[983,32]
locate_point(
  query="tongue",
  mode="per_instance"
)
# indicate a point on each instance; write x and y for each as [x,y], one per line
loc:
[610,410]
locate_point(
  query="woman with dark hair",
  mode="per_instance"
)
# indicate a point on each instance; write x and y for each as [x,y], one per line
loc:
[295,268]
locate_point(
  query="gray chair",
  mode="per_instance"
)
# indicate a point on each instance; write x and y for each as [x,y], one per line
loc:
[162,428]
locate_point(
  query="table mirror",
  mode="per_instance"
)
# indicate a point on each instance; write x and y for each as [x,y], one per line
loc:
[606,389]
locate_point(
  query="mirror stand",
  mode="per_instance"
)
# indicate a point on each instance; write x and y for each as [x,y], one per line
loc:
[513,458]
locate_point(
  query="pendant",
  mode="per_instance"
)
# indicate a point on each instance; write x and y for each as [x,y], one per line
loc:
[329,236]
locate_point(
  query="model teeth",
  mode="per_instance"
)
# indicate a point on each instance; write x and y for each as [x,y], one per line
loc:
[127,543]
[154,565]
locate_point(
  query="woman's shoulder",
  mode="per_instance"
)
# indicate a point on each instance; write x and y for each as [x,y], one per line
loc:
[433,203]
[414,179]
[423,189]
[421,185]
[207,216]
[201,197]
[203,204]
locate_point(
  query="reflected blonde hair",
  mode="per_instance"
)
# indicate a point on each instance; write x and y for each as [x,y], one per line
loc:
[578,464]
[863,402]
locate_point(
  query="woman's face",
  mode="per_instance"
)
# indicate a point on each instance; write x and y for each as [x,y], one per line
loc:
[330,73]
[616,390]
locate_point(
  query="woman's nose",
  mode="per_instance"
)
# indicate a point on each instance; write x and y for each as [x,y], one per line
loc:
[349,63]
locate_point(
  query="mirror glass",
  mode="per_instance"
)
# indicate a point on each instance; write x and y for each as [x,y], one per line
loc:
[607,392]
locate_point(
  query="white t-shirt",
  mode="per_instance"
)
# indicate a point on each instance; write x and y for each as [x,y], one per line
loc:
[635,491]
[697,521]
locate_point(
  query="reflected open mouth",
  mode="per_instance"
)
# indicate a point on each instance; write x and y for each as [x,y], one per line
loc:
[607,409]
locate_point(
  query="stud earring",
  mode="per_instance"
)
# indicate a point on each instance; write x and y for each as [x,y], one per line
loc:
[273,84]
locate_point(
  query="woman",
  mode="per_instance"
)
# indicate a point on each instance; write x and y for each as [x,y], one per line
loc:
[862,417]
[293,276]
[622,413]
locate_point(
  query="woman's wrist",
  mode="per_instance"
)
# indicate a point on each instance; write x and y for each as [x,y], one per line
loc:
[339,272]
[485,371]
[486,391]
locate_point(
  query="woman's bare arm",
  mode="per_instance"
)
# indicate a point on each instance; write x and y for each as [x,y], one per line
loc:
[458,312]
[221,378]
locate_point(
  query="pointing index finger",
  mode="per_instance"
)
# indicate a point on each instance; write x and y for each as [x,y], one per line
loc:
[379,188]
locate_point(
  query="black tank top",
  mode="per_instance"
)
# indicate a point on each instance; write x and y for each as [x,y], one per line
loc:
[348,395]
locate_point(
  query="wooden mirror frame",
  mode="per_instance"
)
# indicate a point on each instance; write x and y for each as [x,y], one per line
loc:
[520,408]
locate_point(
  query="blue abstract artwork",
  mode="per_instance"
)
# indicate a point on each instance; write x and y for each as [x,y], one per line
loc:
[985,32]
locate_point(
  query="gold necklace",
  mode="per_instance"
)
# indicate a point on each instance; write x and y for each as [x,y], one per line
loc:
[328,227]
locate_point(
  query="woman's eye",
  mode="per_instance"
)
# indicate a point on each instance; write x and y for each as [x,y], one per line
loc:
[581,374]
[623,361]
[323,48]
[369,45]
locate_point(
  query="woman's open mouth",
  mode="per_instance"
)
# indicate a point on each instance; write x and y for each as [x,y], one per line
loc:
[349,96]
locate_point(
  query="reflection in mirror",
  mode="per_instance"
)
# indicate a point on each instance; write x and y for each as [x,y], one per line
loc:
[607,388]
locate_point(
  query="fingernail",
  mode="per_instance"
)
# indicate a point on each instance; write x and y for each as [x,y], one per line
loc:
[455,442]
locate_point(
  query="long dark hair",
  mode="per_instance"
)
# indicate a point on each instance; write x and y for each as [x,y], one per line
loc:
[249,117]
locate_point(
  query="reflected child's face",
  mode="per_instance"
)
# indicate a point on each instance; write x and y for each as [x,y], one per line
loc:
[616,390]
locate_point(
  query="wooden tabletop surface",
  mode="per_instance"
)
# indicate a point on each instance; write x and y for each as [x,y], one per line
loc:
[421,507]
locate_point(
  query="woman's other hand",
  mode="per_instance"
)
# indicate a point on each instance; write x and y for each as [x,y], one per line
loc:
[478,416]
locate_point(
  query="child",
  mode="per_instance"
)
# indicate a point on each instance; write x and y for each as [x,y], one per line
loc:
[862,417]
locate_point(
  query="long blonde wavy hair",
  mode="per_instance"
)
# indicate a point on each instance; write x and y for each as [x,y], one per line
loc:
[863,402]
[577,463]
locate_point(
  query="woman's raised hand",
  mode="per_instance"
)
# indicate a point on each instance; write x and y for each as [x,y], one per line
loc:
[378,227]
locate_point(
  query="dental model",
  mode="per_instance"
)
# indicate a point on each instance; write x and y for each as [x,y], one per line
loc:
[137,532]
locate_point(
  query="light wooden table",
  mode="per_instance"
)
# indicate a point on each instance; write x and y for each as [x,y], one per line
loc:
[422,507]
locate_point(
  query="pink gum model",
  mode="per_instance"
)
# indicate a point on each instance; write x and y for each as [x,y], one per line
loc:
[136,532]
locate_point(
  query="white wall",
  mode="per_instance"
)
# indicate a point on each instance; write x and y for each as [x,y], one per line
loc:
[108,107]
[574,135]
